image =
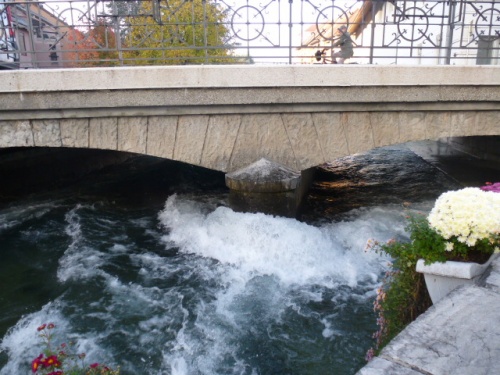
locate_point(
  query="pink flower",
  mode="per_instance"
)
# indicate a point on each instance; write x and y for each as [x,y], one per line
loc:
[370,354]
[494,187]
[94,365]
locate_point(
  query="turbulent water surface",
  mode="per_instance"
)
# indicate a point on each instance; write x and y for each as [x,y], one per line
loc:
[178,283]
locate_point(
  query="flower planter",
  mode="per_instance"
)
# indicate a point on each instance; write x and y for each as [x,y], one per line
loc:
[442,278]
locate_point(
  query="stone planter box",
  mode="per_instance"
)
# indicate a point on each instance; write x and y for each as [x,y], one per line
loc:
[442,278]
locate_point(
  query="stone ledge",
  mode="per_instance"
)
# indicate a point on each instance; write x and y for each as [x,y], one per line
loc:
[381,366]
[458,335]
[245,76]
[493,279]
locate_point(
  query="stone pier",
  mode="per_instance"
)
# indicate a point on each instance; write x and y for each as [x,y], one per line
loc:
[267,187]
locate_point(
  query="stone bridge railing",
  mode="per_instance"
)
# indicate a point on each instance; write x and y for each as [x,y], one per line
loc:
[227,117]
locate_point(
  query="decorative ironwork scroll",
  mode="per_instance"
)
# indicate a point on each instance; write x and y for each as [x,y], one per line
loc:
[85,33]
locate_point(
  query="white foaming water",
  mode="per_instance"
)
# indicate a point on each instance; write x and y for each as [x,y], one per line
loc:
[267,265]
[21,343]
[236,278]
[80,261]
[12,217]
[260,244]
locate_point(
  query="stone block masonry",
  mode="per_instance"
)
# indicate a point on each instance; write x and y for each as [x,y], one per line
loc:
[227,142]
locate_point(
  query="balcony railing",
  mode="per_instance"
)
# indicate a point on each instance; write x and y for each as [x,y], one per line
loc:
[55,33]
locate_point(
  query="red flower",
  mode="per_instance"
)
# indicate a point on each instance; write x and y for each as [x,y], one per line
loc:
[51,326]
[36,363]
[94,365]
[51,361]
[58,372]
[42,327]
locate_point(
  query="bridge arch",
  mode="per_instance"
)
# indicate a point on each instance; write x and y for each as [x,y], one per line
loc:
[225,118]
[229,142]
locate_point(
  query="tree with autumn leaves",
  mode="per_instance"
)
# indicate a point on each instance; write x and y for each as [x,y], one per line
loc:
[97,47]
[178,32]
[173,32]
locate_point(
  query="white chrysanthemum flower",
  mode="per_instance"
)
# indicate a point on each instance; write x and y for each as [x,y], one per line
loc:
[449,246]
[470,214]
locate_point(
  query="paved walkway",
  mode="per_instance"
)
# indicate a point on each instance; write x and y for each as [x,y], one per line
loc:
[460,335]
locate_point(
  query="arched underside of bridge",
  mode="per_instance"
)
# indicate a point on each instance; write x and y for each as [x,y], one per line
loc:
[229,142]
[225,118]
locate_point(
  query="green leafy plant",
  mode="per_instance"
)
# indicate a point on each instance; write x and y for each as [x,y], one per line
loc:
[464,225]
[60,360]
[402,297]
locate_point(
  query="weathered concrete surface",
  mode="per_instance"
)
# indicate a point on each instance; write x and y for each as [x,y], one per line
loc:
[459,335]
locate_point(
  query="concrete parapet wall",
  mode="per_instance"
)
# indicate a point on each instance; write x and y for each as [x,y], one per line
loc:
[225,118]
[238,76]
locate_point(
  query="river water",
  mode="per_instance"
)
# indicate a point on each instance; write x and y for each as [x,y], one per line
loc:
[147,268]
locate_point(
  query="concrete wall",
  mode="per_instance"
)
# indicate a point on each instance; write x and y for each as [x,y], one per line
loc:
[227,117]
[487,148]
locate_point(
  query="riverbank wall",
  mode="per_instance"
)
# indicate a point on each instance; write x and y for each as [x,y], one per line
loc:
[487,148]
[459,335]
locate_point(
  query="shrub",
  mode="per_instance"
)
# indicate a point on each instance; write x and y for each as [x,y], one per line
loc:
[402,297]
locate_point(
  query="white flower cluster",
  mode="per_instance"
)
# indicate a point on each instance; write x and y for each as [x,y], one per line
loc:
[468,214]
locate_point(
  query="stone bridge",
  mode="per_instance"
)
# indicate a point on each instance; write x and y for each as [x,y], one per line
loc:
[227,117]
[234,118]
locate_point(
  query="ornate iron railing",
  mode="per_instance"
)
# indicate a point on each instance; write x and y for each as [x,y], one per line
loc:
[55,33]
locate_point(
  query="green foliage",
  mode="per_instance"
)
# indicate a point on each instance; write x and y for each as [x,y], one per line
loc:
[462,226]
[403,295]
[184,32]
[428,244]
